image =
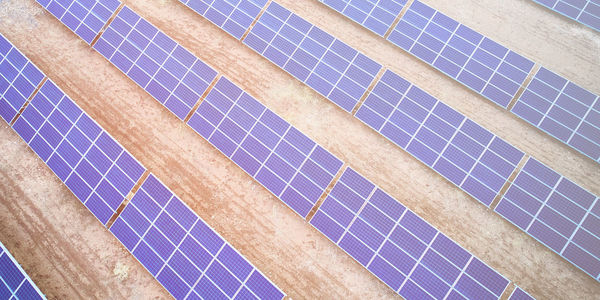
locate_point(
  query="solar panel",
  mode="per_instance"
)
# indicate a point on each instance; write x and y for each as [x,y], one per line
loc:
[233,16]
[18,79]
[182,252]
[14,282]
[83,155]
[557,212]
[564,110]
[520,294]
[84,17]
[474,60]
[586,12]
[324,63]
[465,153]
[377,16]
[277,155]
[166,70]
[400,248]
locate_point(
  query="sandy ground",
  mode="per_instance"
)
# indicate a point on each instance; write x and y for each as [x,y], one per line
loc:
[70,255]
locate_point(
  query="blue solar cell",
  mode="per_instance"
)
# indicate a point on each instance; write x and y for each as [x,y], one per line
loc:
[555,211]
[399,247]
[169,72]
[520,294]
[586,12]
[97,169]
[14,282]
[180,250]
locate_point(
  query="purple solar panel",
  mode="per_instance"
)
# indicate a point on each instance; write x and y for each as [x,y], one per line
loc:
[374,15]
[557,212]
[474,60]
[463,152]
[18,79]
[182,252]
[520,294]
[399,247]
[84,156]
[586,12]
[324,63]
[564,110]
[84,18]
[233,16]
[276,154]
[166,70]
[14,282]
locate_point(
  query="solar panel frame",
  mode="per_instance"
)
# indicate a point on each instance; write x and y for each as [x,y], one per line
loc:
[19,78]
[587,14]
[556,212]
[233,16]
[562,109]
[97,170]
[173,243]
[312,56]
[273,152]
[170,73]
[84,18]
[399,247]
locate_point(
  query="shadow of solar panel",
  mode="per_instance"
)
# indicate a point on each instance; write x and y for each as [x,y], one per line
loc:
[182,252]
[277,155]
[233,16]
[377,16]
[14,282]
[463,152]
[18,79]
[329,66]
[586,12]
[557,212]
[400,248]
[564,110]
[84,18]
[520,294]
[472,59]
[83,156]
[167,71]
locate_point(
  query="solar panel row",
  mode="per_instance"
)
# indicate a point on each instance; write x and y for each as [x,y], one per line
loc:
[18,80]
[564,110]
[465,153]
[556,212]
[520,294]
[100,173]
[400,248]
[550,103]
[14,282]
[586,12]
[377,16]
[84,18]
[182,252]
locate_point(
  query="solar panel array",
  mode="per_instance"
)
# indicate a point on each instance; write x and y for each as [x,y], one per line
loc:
[233,16]
[583,11]
[557,212]
[166,70]
[14,282]
[496,72]
[474,60]
[18,79]
[520,294]
[83,155]
[182,252]
[277,155]
[84,18]
[564,110]
[399,247]
[377,16]
[100,173]
[465,153]
[324,63]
